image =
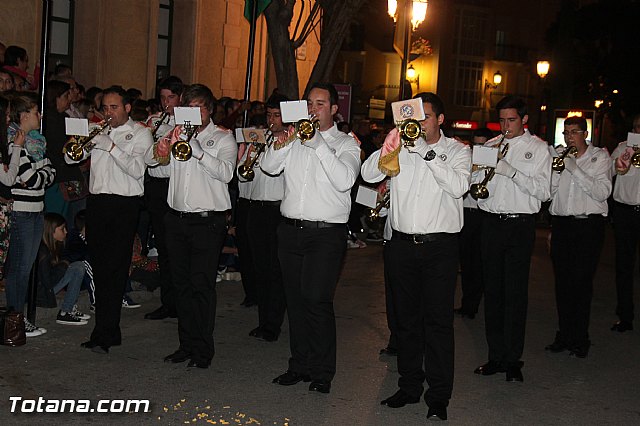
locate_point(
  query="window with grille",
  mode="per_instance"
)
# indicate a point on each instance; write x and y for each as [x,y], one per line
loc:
[469,53]
[165,24]
[61,35]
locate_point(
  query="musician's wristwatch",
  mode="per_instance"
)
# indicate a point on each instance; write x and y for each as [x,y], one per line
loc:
[430,155]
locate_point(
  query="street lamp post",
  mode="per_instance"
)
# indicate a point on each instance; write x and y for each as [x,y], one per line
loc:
[414,11]
[542,68]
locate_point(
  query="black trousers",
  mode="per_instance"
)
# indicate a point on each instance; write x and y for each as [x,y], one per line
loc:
[422,278]
[155,194]
[111,226]
[194,245]
[262,225]
[471,260]
[575,250]
[311,260]
[392,323]
[506,258]
[626,220]
[244,250]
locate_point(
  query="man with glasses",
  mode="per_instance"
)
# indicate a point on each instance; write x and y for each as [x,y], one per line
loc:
[579,206]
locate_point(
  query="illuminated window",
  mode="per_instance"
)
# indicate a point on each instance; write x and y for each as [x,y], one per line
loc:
[469,49]
[165,31]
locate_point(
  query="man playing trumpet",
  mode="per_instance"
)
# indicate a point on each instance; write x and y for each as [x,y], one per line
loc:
[521,183]
[579,206]
[198,199]
[626,216]
[429,178]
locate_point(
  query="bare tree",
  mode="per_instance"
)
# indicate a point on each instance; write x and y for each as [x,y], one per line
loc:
[334,17]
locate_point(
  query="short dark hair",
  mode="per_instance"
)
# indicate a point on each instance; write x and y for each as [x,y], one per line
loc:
[172,83]
[275,99]
[118,90]
[333,93]
[134,93]
[12,54]
[201,92]
[55,89]
[483,132]
[431,98]
[513,102]
[581,122]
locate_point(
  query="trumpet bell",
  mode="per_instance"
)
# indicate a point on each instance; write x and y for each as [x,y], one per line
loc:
[478,191]
[410,130]
[246,172]
[306,130]
[635,159]
[73,150]
[181,151]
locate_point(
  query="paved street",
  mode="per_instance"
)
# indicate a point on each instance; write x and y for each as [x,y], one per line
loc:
[237,388]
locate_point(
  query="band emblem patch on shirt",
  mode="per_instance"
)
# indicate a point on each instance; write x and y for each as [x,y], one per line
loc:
[210,143]
[594,159]
[443,157]
[129,136]
[528,155]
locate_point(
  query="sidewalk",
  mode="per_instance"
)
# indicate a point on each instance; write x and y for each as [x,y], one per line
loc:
[237,388]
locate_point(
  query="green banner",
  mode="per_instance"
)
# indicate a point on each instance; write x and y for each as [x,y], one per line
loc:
[248,6]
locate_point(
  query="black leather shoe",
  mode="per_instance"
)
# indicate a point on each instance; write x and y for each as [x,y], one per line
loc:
[161,313]
[437,414]
[580,351]
[556,347]
[89,344]
[178,356]
[389,350]
[514,373]
[490,368]
[622,326]
[291,378]
[198,364]
[256,332]
[98,349]
[320,386]
[400,399]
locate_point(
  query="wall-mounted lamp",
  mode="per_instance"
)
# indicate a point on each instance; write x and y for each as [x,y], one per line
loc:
[542,68]
[598,103]
[413,76]
[497,79]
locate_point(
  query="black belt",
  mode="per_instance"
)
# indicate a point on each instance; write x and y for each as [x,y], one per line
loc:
[264,203]
[511,216]
[419,238]
[311,224]
[629,207]
[210,213]
[580,217]
[472,210]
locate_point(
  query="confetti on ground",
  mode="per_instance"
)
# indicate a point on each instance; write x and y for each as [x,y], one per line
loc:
[214,416]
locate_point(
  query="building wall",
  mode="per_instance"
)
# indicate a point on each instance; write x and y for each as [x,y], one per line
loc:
[115,42]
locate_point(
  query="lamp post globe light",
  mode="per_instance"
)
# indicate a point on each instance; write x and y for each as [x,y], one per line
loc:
[542,68]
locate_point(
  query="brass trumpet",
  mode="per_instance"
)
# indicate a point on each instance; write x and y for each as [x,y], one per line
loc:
[480,190]
[410,130]
[246,169]
[158,123]
[181,150]
[75,147]
[558,162]
[306,128]
[374,213]
[635,161]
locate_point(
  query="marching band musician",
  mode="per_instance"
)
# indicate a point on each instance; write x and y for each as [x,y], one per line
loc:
[195,225]
[318,174]
[521,183]
[421,259]
[116,184]
[578,208]
[265,194]
[626,218]
[155,195]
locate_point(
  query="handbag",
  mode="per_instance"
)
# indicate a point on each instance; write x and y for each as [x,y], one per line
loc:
[74,190]
[12,332]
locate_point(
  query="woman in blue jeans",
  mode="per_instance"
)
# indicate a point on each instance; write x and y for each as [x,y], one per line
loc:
[55,273]
[34,175]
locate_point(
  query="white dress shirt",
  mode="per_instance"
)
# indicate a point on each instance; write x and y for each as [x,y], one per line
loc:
[585,191]
[121,171]
[201,185]
[525,192]
[164,129]
[263,187]
[426,196]
[317,181]
[626,189]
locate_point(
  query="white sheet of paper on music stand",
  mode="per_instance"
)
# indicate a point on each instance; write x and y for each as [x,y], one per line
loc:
[633,139]
[409,109]
[485,156]
[293,111]
[367,196]
[76,126]
[190,114]
[239,135]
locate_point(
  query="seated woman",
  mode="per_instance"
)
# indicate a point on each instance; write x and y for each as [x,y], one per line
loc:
[56,273]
